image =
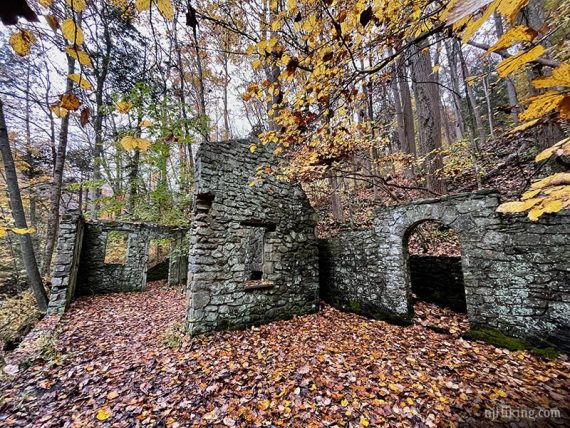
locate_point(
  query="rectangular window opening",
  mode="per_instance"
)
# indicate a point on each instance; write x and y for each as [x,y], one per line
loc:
[116,247]
[254,253]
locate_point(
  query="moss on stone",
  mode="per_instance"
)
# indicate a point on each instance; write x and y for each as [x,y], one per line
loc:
[498,338]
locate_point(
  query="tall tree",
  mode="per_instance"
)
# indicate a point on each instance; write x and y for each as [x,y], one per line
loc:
[429,118]
[19,215]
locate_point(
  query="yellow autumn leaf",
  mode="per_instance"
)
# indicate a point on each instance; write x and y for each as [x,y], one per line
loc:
[79,55]
[103,414]
[541,104]
[256,63]
[124,106]
[530,194]
[146,123]
[128,142]
[515,62]
[560,178]
[23,231]
[474,25]
[165,8]
[436,68]
[364,422]
[545,154]
[252,148]
[518,206]
[142,5]
[59,111]
[76,5]
[45,3]
[344,403]
[264,405]
[82,82]
[552,205]
[510,8]
[524,126]
[535,213]
[520,33]
[560,77]
[22,42]
[291,5]
[72,32]
[2,232]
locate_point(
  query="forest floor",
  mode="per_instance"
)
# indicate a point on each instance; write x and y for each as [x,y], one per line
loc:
[123,360]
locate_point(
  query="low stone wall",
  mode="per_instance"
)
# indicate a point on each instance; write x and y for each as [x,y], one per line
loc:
[438,280]
[516,272]
[253,252]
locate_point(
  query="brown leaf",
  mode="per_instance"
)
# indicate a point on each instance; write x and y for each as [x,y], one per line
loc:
[69,101]
[84,116]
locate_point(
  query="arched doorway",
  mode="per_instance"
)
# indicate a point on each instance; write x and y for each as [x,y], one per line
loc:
[432,253]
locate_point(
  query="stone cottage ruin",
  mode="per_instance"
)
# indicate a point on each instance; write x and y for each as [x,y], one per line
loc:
[81,267]
[253,256]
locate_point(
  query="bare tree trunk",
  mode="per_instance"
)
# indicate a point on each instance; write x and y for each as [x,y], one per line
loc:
[56,186]
[454,76]
[489,107]
[26,243]
[407,114]
[336,203]
[429,117]
[475,113]
[98,122]
[227,130]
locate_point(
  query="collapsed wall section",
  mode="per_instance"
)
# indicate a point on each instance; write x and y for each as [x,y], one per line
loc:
[253,253]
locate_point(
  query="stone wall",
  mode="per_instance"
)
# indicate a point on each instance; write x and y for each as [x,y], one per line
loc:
[64,274]
[253,253]
[80,266]
[96,276]
[516,272]
[438,280]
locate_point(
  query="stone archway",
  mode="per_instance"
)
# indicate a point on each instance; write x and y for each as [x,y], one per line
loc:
[469,216]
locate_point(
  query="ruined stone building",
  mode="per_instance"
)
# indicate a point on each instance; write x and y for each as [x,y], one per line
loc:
[253,256]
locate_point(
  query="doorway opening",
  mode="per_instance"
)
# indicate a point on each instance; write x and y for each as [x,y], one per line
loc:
[433,262]
[158,259]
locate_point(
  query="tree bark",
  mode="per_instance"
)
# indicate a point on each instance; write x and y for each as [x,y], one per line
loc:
[429,117]
[55,190]
[28,255]
[454,76]
[407,115]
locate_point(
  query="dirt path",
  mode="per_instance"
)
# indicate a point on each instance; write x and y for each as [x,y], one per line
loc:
[121,361]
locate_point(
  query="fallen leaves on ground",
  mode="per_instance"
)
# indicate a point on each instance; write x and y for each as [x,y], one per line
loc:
[118,364]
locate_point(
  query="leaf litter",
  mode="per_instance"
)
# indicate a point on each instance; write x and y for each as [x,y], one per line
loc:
[123,360]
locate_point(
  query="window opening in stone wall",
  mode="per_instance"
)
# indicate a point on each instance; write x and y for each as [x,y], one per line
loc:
[158,259]
[254,253]
[116,247]
[433,261]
